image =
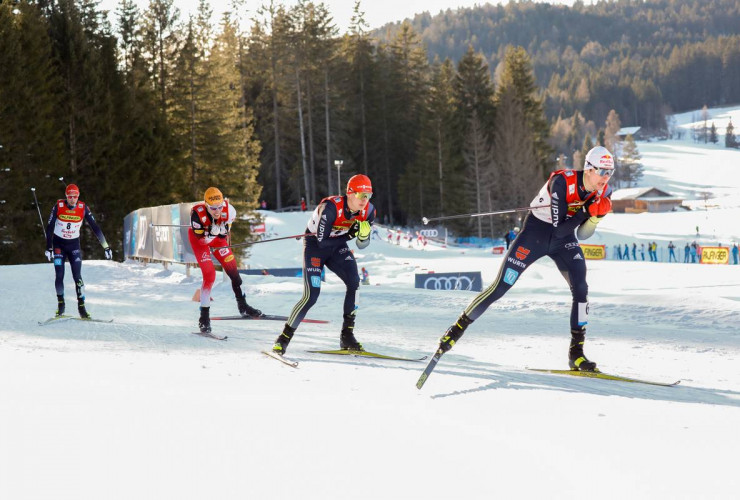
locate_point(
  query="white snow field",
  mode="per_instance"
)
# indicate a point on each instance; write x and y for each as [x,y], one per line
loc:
[142,409]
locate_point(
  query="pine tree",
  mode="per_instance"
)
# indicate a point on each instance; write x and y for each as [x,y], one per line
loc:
[713,134]
[31,147]
[518,75]
[474,99]
[730,139]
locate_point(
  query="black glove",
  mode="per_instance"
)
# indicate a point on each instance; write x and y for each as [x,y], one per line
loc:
[353,230]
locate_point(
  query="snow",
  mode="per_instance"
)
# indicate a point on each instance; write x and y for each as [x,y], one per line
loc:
[140,408]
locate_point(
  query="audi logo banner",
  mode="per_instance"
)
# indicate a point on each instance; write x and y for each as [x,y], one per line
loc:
[471,281]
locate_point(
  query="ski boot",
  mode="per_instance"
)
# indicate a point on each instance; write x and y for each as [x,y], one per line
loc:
[60,305]
[281,343]
[347,338]
[454,333]
[245,309]
[576,359]
[81,309]
[204,322]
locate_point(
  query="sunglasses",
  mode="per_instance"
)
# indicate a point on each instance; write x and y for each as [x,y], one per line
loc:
[603,172]
[220,206]
[363,196]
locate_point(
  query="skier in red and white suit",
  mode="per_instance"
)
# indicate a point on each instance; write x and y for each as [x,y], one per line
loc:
[210,222]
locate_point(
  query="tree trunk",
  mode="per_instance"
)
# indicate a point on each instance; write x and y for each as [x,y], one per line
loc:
[328,132]
[300,128]
[276,131]
[310,195]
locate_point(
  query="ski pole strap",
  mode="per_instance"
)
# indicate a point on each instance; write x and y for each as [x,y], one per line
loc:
[427,220]
[41,219]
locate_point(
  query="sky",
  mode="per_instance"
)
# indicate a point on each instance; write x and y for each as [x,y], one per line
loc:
[377,12]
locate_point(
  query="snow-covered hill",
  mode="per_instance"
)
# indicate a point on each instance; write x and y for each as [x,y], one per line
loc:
[141,408]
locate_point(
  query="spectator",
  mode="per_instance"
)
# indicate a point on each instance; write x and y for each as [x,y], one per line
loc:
[365,277]
[634,251]
[303,204]
[642,250]
[698,252]
[672,252]
[626,252]
[263,205]
[734,253]
[693,252]
[686,253]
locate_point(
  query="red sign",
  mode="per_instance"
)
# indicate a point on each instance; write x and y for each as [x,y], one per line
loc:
[258,229]
[498,250]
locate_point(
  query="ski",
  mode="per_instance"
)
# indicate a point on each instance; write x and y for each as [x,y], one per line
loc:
[53,319]
[210,335]
[430,367]
[94,320]
[279,357]
[58,318]
[604,376]
[268,317]
[367,354]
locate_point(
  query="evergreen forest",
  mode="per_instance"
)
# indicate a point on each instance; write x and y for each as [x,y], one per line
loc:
[465,111]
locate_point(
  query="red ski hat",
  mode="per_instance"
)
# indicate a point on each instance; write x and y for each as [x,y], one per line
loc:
[72,190]
[359,184]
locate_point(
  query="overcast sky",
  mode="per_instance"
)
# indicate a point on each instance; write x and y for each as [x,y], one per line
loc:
[377,12]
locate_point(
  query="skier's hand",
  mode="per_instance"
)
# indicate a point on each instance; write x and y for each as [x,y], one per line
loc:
[363,231]
[108,253]
[354,229]
[218,229]
[600,207]
[49,254]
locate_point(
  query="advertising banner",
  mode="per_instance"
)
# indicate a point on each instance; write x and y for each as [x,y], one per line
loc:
[165,241]
[715,255]
[471,281]
[594,252]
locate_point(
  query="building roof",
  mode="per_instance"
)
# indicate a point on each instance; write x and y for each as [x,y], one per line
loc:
[625,131]
[643,193]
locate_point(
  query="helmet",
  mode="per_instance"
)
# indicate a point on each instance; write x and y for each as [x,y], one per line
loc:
[359,184]
[599,157]
[72,190]
[213,197]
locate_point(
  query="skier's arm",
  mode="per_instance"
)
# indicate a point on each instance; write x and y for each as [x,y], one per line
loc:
[596,210]
[562,225]
[94,226]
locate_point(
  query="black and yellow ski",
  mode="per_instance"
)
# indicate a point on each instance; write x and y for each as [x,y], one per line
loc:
[604,376]
[366,354]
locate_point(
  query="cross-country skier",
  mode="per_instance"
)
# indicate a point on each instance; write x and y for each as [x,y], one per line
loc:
[576,201]
[335,221]
[210,223]
[63,243]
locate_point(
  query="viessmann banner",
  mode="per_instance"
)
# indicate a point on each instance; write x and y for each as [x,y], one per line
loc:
[450,281]
[169,244]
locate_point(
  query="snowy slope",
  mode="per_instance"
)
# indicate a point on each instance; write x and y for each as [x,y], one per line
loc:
[140,408]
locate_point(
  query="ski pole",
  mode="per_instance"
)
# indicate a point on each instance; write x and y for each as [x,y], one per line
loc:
[296,236]
[41,219]
[168,225]
[426,220]
[61,179]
